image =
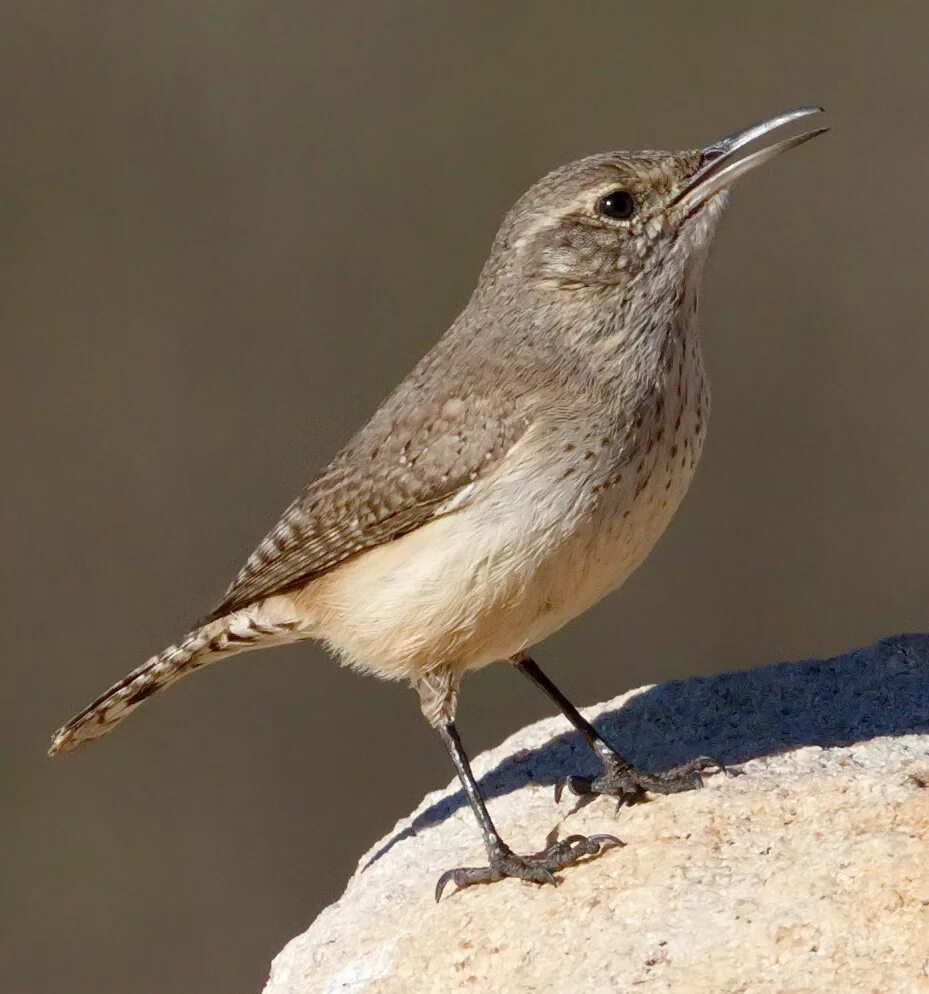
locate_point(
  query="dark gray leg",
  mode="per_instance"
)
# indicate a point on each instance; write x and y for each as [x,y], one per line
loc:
[502,861]
[619,778]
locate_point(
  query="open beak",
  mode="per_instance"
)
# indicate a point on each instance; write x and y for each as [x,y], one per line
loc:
[719,168]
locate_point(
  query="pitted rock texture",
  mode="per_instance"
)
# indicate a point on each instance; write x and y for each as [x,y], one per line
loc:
[808,873]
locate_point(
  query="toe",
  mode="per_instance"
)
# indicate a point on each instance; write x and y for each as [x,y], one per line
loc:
[542,876]
[605,842]
[533,869]
[466,876]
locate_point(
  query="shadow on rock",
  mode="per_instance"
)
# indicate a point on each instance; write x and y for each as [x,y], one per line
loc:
[879,690]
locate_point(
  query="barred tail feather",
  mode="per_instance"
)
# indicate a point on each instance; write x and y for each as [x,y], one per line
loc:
[226,636]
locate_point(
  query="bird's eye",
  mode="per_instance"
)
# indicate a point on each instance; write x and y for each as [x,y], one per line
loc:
[620,204]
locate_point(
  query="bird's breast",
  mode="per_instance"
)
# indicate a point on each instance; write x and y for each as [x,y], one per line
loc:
[628,474]
[571,511]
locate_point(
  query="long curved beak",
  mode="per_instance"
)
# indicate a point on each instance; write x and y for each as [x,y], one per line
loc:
[719,168]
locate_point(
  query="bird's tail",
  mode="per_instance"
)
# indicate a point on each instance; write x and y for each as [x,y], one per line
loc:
[234,633]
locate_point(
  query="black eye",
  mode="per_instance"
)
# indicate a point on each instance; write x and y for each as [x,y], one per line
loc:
[620,204]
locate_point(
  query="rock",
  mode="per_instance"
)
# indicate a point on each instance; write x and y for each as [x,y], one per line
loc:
[808,873]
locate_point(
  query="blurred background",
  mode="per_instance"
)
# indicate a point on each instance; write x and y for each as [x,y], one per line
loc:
[229,230]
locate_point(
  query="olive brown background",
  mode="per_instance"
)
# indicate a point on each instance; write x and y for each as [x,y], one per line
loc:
[229,228]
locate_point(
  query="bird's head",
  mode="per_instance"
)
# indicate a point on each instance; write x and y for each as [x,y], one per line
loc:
[608,221]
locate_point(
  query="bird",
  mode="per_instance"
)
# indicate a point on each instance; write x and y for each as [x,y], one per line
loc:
[521,472]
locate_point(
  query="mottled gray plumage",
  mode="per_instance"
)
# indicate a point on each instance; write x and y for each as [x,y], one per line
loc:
[460,409]
[432,439]
[521,472]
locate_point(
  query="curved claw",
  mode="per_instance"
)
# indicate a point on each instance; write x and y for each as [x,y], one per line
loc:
[606,842]
[591,845]
[705,763]
[578,846]
[579,786]
[626,800]
[547,878]
[709,765]
[442,882]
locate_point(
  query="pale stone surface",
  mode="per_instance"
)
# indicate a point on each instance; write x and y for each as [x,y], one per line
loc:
[809,873]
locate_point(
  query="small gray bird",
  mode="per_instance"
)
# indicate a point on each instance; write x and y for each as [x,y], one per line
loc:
[522,471]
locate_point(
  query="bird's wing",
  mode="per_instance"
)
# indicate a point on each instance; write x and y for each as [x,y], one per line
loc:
[396,475]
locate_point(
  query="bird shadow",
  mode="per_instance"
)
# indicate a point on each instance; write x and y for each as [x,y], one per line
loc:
[879,690]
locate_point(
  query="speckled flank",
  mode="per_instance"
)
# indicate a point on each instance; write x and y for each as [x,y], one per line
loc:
[523,469]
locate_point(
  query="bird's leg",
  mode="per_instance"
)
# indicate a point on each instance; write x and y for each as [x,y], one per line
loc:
[438,704]
[618,778]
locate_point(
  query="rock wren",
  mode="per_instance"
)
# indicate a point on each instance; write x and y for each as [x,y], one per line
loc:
[522,471]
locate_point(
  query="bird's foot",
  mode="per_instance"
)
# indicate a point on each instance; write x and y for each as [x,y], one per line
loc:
[539,869]
[629,786]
